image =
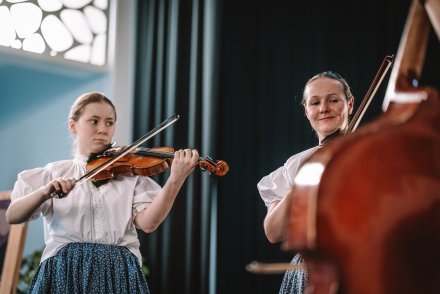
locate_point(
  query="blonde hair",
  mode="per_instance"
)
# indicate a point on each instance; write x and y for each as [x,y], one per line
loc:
[80,104]
[330,75]
[85,99]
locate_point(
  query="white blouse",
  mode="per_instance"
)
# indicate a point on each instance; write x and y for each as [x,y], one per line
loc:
[276,185]
[88,214]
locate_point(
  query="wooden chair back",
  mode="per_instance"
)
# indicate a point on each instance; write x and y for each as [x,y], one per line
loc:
[14,253]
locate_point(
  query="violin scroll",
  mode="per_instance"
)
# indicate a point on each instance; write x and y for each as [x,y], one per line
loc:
[218,167]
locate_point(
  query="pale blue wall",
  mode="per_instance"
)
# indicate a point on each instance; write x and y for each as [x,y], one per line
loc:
[35,99]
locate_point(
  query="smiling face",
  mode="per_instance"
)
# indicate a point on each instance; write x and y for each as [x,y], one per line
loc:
[326,106]
[94,128]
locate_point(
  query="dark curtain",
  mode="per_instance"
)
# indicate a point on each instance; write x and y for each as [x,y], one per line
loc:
[234,71]
[176,73]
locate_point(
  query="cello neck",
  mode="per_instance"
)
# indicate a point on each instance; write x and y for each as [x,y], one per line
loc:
[410,56]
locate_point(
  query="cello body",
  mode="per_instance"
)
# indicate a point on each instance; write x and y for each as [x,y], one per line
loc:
[365,208]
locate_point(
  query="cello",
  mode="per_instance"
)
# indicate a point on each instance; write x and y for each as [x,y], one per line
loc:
[365,209]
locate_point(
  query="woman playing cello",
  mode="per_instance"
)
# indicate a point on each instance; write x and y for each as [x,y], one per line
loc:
[328,102]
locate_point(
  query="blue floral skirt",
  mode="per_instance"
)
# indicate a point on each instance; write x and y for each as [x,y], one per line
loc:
[295,281]
[90,268]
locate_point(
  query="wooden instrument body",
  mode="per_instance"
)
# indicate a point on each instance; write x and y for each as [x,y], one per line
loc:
[368,219]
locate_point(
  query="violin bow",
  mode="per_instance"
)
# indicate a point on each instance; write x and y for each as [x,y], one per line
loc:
[380,75]
[165,124]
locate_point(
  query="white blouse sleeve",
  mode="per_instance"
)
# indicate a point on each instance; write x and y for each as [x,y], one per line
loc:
[145,191]
[29,181]
[276,185]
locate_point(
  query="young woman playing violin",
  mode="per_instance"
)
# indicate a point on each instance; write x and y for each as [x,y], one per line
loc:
[328,102]
[90,235]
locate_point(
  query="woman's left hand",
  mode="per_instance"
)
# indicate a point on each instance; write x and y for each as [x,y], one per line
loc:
[184,163]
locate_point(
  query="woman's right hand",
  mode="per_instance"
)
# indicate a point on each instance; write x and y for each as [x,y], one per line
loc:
[64,185]
[21,209]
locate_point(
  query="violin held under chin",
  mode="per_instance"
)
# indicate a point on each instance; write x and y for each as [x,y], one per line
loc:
[135,160]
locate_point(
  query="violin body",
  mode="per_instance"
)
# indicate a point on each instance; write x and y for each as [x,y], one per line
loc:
[132,163]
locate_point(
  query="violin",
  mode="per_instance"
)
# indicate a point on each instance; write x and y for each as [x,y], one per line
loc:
[135,160]
[145,162]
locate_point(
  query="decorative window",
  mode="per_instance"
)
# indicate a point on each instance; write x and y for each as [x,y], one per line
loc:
[74,30]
